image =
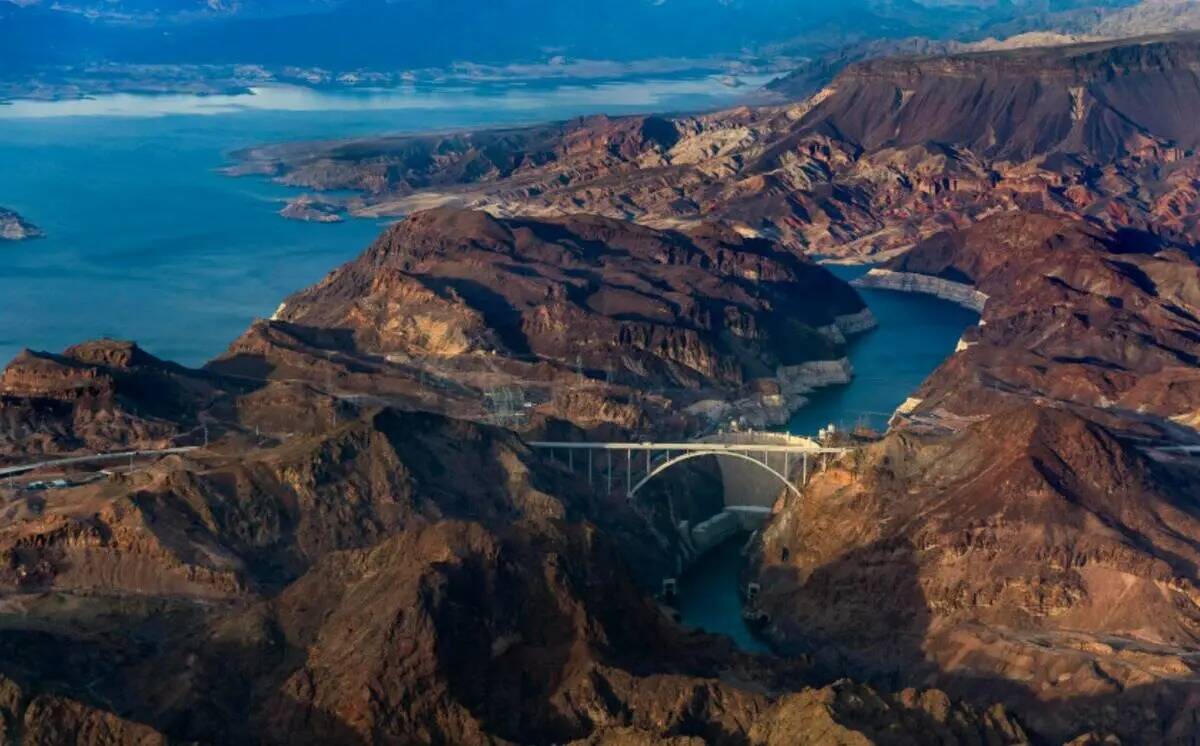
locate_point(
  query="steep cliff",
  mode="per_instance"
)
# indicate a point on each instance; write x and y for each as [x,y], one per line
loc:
[585,316]
[1029,524]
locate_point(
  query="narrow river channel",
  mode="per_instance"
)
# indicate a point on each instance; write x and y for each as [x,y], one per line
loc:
[915,334]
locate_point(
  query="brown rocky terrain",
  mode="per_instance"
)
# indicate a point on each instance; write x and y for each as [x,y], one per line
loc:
[359,573]
[361,570]
[884,156]
[593,321]
[368,551]
[1028,526]
[401,578]
[1076,316]
[102,396]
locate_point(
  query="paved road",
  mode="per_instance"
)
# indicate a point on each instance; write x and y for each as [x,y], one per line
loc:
[8,471]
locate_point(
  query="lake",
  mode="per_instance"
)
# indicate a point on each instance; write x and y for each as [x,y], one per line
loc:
[145,240]
[148,241]
[915,334]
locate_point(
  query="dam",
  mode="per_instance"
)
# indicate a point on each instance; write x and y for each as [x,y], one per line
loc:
[916,333]
[755,468]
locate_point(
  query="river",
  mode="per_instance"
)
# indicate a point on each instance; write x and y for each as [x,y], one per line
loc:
[915,334]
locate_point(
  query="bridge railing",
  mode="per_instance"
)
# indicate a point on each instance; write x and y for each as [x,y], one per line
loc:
[686,451]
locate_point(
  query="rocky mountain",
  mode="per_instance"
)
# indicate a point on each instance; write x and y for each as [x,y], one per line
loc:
[885,156]
[1029,524]
[1050,282]
[590,320]
[102,396]
[362,570]
[1089,101]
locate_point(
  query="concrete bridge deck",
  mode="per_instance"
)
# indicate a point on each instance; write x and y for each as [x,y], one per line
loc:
[755,467]
[776,457]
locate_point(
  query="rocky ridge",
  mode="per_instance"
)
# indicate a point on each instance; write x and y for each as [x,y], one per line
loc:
[592,321]
[881,158]
[1027,525]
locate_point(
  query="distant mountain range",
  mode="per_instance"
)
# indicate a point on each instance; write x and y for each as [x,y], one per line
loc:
[417,33]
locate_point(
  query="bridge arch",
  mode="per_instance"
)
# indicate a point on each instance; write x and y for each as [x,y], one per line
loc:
[664,466]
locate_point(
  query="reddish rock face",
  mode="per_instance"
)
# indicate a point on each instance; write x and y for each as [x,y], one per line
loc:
[1026,526]
[1085,99]
[667,299]
[892,151]
[100,396]
[1077,315]
[586,315]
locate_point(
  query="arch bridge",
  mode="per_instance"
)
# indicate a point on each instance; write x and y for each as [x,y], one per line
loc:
[642,462]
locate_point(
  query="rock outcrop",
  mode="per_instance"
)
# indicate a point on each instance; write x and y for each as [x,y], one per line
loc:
[1029,524]
[15,228]
[102,396]
[310,210]
[913,282]
[1077,316]
[884,156]
[590,320]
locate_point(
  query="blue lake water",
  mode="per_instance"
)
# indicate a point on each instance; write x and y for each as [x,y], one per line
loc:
[915,334]
[147,241]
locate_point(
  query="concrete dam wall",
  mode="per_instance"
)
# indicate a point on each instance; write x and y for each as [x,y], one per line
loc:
[749,484]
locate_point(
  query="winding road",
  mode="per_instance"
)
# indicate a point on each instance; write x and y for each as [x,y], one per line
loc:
[9,471]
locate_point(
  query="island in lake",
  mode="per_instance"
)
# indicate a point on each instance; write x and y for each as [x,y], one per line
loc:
[13,227]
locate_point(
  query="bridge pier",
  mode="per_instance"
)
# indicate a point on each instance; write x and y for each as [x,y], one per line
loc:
[629,473]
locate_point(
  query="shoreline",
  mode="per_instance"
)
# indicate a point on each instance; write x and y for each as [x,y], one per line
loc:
[958,293]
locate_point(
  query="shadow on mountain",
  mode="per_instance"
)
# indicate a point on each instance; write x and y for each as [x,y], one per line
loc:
[844,609]
[865,616]
[498,313]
